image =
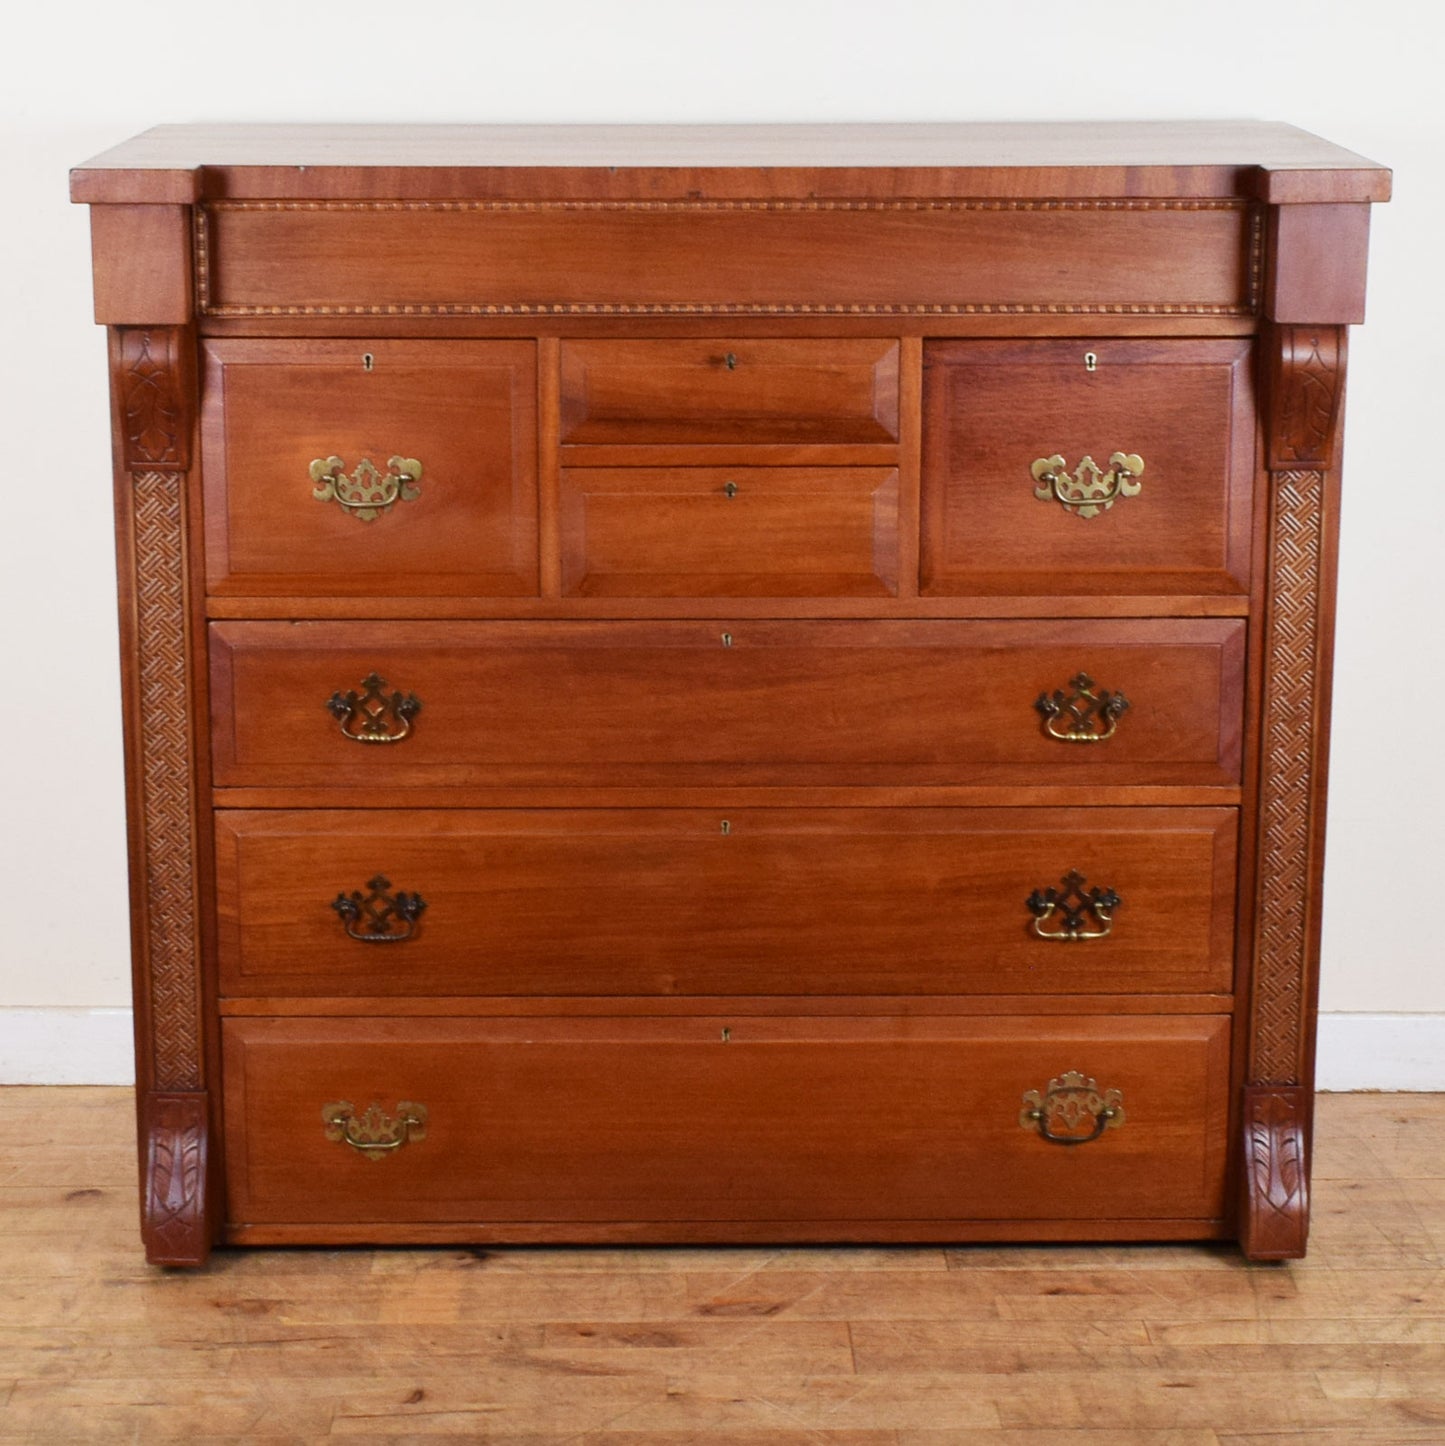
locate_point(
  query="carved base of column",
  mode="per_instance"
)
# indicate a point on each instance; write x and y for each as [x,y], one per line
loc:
[173,1212]
[1275,1219]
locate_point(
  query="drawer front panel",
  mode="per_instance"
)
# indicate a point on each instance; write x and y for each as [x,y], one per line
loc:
[715,1119]
[630,703]
[992,410]
[719,390]
[730,532]
[713,257]
[352,524]
[647,902]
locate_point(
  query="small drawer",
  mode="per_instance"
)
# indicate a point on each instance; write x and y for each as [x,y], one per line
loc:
[750,901]
[346,706]
[715,390]
[388,1122]
[1030,456]
[370,468]
[729,532]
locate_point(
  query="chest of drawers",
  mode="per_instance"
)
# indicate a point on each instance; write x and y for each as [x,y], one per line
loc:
[724,685]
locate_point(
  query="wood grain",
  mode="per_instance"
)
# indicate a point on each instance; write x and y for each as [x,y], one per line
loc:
[1164,1345]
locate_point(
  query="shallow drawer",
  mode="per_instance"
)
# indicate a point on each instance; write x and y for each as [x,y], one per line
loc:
[715,390]
[723,1119]
[1024,489]
[649,703]
[370,467]
[767,901]
[729,532]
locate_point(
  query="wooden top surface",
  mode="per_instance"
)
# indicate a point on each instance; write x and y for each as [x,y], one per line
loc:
[1054,160]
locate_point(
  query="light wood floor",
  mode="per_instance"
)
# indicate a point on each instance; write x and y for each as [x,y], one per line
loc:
[1004,1346]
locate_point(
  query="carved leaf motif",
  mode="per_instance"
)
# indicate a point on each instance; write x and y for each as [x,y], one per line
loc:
[151,399]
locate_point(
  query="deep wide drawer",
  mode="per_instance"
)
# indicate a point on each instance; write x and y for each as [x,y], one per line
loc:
[642,703]
[387,1121]
[764,901]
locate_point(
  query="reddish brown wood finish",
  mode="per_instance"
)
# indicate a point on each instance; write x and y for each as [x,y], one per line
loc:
[766,901]
[783,703]
[729,389]
[716,257]
[710,1119]
[732,531]
[466,410]
[992,408]
[862,716]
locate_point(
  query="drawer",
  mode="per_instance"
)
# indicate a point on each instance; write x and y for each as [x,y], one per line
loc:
[729,532]
[433,447]
[996,412]
[717,390]
[794,1121]
[787,703]
[786,901]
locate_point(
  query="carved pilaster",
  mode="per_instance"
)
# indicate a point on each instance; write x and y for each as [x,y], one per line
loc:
[1306,385]
[155,411]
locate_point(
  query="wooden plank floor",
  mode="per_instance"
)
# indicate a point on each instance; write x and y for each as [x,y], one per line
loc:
[1004,1346]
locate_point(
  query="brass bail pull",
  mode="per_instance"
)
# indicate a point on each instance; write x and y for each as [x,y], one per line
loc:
[374,1133]
[1081,715]
[374,715]
[367,491]
[1088,490]
[379,916]
[1073,1110]
[1069,914]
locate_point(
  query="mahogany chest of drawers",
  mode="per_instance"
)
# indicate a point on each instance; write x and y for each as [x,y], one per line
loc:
[726,685]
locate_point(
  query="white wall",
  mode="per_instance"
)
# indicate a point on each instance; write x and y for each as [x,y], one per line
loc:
[80,79]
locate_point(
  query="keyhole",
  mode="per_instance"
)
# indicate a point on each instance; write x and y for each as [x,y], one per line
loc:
[727,1035]
[727,640]
[367,361]
[730,361]
[730,489]
[727,827]
[1091,362]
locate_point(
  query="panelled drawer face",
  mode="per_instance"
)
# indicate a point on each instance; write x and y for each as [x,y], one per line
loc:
[784,902]
[358,468]
[636,703]
[729,532]
[1087,467]
[388,1121]
[718,390]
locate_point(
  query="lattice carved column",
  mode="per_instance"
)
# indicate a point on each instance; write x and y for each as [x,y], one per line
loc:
[1304,393]
[153,392]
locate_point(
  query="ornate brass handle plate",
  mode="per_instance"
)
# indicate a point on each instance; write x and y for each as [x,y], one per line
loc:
[379,916]
[1072,910]
[368,491]
[374,1133]
[374,716]
[1082,715]
[1088,490]
[1072,1111]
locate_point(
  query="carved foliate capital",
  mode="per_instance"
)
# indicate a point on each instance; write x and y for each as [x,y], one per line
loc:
[152,377]
[1306,389]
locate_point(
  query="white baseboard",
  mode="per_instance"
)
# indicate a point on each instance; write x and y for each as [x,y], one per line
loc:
[66,1046]
[93,1046]
[1381,1052]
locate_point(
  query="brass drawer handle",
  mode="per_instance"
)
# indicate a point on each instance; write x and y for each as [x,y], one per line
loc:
[1088,490]
[374,1133]
[368,491]
[1081,716]
[374,716]
[379,917]
[1074,909]
[1070,1102]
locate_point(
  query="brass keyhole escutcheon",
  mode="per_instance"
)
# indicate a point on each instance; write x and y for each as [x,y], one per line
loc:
[727,1035]
[367,361]
[727,640]
[730,489]
[727,827]
[730,361]
[1091,361]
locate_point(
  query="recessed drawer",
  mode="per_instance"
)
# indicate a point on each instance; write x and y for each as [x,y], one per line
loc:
[1107,466]
[756,901]
[729,532]
[332,705]
[382,1122]
[370,468]
[717,390]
